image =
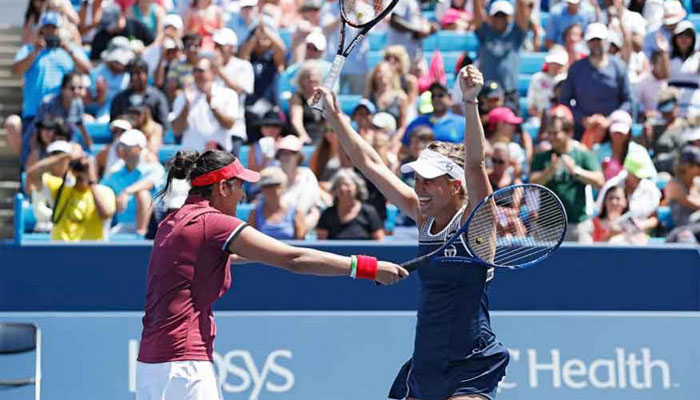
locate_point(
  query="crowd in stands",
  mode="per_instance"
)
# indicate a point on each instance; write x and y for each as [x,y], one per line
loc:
[609,118]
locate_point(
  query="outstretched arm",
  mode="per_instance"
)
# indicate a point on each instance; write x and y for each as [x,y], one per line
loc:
[478,185]
[366,158]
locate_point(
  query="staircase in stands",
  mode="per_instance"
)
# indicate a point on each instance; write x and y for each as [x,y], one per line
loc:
[10,103]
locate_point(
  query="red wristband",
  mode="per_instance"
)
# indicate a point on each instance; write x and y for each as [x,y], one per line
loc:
[367,267]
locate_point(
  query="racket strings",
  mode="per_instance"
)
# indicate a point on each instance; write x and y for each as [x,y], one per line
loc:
[362,12]
[517,226]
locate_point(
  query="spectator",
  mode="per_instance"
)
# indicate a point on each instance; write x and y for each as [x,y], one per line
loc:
[82,209]
[179,74]
[643,197]
[306,121]
[398,58]
[113,24]
[504,126]
[383,89]
[504,171]
[566,169]
[664,134]
[202,115]
[597,85]
[383,123]
[660,38]
[354,73]
[32,16]
[446,125]
[654,82]
[237,75]
[385,146]
[89,13]
[272,215]
[141,119]
[500,40]
[244,20]
[456,17]
[110,77]
[134,184]
[573,43]
[349,218]
[565,14]
[204,18]
[613,224]
[265,50]
[325,162]
[302,187]
[362,116]
[613,151]
[262,152]
[43,65]
[539,93]
[163,46]
[108,157]
[149,13]
[309,23]
[49,128]
[408,28]
[69,18]
[683,196]
[313,50]
[140,93]
[685,68]
[629,28]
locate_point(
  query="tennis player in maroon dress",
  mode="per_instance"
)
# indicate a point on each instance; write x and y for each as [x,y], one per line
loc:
[189,270]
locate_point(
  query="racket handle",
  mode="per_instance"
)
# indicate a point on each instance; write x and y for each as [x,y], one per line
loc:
[331,79]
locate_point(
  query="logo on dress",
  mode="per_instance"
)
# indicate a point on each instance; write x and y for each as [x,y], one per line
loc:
[450,251]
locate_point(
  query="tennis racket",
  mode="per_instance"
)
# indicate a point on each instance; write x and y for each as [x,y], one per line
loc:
[514,227]
[361,14]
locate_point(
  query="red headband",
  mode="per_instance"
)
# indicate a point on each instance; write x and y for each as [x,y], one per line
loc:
[222,174]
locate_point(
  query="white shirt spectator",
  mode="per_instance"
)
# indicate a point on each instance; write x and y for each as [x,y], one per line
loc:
[304,191]
[539,93]
[648,90]
[410,11]
[642,203]
[202,125]
[242,72]
[687,73]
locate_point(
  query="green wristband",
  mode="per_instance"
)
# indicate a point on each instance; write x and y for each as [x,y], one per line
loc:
[353,267]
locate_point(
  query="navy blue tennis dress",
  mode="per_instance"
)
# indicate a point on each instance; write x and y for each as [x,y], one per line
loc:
[455,352]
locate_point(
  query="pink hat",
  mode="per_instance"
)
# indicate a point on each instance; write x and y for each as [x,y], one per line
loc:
[620,121]
[561,111]
[503,114]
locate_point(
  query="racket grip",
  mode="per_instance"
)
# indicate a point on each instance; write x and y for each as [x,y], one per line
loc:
[331,79]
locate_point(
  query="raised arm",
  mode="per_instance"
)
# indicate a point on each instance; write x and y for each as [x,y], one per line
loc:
[366,158]
[522,15]
[479,13]
[478,186]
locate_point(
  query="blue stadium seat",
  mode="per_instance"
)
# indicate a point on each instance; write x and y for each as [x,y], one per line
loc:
[243,155]
[695,19]
[524,112]
[391,213]
[531,129]
[377,41]
[637,130]
[430,43]
[429,15]
[167,151]
[531,62]
[374,58]
[665,218]
[457,41]
[169,137]
[243,210]
[348,102]
[286,37]
[99,132]
[523,84]
[544,19]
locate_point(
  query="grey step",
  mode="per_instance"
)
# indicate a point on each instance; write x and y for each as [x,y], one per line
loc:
[14,39]
[8,50]
[6,62]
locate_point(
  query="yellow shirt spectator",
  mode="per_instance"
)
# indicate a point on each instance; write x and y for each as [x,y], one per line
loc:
[76,211]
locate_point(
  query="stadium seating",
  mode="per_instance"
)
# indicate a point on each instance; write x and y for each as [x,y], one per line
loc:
[99,132]
[531,62]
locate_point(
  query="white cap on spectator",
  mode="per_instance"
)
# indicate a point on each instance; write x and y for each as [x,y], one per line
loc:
[121,124]
[225,37]
[691,135]
[119,55]
[247,3]
[620,121]
[173,20]
[501,6]
[616,39]
[684,26]
[133,137]
[317,39]
[557,55]
[596,30]
[673,12]
[384,121]
[59,146]
[573,1]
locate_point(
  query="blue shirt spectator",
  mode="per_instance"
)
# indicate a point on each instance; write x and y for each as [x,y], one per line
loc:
[446,125]
[244,20]
[108,79]
[598,84]
[500,40]
[44,63]
[564,15]
[407,27]
[673,14]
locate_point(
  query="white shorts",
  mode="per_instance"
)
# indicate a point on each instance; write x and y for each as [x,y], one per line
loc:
[177,380]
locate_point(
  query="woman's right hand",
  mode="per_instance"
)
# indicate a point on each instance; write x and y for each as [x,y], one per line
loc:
[331,107]
[390,273]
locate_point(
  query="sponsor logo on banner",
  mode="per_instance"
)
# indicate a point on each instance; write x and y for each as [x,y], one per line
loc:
[621,369]
[238,372]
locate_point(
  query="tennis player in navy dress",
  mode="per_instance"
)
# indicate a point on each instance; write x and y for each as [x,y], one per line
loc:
[456,355]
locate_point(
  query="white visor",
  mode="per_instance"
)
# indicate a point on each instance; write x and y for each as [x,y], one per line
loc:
[431,164]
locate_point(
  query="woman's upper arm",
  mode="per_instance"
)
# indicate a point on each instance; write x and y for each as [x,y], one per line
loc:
[256,246]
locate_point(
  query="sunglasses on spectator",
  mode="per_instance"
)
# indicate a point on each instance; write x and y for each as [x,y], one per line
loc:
[198,70]
[439,94]
[75,88]
[391,58]
[498,161]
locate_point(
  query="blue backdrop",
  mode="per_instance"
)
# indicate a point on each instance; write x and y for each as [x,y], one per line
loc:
[99,277]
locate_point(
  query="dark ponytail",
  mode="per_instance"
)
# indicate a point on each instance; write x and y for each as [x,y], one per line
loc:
[191,164]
